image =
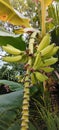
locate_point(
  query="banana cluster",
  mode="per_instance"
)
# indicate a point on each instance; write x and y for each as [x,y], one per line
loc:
[11,50]
[44,58]
[16,54]
[41,59]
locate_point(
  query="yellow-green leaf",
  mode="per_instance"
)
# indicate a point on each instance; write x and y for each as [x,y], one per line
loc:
[7,1]
[46,2]
[7,13]
[19,31]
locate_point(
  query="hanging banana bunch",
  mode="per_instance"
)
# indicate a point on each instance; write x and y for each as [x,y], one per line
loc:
[27,83]
[16,55]
[11,50]
[43,57]
[36,71]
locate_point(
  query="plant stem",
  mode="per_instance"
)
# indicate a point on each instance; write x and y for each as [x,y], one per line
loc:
[25,108]
[43,12]
[26,98]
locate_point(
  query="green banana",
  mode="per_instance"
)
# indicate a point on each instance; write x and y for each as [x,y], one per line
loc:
[49,61]
[33,79]
[20,78]
[55,49]
[47,69]
[37,61]
[52,53]
[47,50]
[44,43]
[12,50]
[12,58]
[24,59]
[40,77]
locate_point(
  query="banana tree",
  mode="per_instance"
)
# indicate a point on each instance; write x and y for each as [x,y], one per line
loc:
[37,58]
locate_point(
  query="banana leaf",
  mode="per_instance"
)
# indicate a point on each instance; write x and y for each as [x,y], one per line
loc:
[10,107]
[10,101]
[9,121]
[56,118]
[16,41]
[14,86]
[7,13]
[10,111]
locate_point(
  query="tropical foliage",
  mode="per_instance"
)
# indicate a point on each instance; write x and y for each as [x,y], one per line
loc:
[36,56]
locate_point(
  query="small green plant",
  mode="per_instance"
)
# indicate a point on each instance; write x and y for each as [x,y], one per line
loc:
[51,120]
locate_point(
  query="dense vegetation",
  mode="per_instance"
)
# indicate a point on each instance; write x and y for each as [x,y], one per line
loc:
[29,77]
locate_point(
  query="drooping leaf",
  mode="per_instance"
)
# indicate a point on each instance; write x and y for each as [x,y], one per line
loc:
[56,118]
[51,120]
[14,86]
[11,101]
[10,105]
[17,42]
[7,13]
[5,33]
[51,125]
[7,119]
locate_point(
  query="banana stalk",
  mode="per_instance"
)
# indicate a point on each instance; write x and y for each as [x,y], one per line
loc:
[43,13]
[31,42]
[44,4]
[25,106]
[26,98]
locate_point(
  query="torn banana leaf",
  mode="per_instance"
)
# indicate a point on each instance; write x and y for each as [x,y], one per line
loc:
[7,13]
